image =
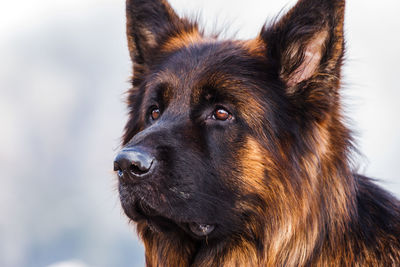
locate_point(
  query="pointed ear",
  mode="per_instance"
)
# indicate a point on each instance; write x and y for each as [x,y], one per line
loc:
[149,23]
[307,47]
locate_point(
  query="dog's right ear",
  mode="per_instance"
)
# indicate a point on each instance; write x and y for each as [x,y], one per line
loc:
[149,24]
[306,46]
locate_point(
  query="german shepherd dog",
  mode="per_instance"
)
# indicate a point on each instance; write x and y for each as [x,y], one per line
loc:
[235,152]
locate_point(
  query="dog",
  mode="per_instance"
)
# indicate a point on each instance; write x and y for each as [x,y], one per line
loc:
[235,152]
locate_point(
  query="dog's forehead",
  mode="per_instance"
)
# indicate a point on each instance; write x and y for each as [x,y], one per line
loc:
[197,62]
[190,69]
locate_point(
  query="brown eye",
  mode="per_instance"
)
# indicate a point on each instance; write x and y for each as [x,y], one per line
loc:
[155,113]
[222,115]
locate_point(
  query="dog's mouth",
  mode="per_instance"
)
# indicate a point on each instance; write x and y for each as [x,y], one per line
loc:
[138,209]
[164,223]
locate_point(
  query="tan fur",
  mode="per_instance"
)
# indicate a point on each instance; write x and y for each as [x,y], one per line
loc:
[181,40]
[296,192]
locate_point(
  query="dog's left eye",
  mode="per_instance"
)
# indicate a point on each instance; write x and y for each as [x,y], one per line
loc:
[155,113]
[221,115]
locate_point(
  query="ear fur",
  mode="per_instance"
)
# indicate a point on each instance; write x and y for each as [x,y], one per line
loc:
[149,23]
[307,47]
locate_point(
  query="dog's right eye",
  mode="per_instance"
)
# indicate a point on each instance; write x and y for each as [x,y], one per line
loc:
[155,113]
[221,115]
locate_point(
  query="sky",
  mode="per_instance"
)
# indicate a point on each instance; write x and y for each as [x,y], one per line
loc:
[65,68]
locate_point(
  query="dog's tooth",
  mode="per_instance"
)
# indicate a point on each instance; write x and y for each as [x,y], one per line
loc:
[201,229]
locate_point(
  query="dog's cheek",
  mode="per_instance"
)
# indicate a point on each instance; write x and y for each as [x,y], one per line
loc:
[253,166]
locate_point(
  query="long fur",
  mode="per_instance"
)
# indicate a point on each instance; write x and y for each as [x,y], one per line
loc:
[277,180]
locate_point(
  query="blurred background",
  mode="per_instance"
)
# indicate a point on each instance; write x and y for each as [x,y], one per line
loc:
[63,73]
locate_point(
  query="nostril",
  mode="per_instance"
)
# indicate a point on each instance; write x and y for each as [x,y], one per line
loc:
[134,161]
[116,166]
[139,169]
[118,169]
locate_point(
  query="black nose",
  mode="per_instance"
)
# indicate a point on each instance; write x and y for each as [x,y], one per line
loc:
[134,161]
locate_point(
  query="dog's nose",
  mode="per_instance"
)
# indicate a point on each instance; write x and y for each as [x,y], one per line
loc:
[134,161]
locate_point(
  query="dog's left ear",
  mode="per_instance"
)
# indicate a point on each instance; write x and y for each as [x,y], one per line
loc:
[307,48]
[149,24]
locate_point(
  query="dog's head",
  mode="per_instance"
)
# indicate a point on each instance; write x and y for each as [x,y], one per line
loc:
[216,127]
